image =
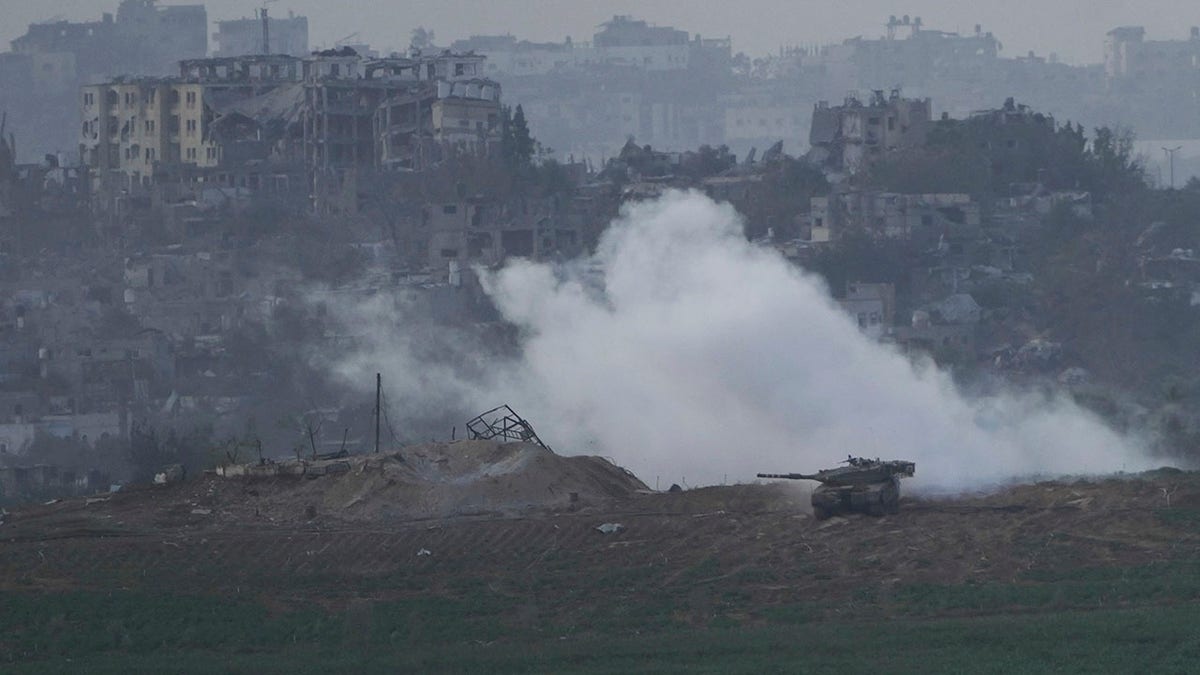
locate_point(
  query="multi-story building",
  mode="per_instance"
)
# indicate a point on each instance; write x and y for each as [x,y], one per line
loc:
[130,126]
[512,58]
[1153,82]
[892,215]
[1129,56]
[912,55]
[623,42]
[135,128]
[240,37]
[478,231]
[626,41]
[40,79]
[762,117]
[851,136]
[142,38]
[222,120]
[394,112]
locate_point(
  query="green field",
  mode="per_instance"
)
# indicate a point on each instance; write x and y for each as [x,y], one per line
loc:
[1064,578]
[1101,621]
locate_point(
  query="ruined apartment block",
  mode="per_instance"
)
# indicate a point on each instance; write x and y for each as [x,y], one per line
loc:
[891,215]
[250,122]
[481,231]
[395,112]
[850,137]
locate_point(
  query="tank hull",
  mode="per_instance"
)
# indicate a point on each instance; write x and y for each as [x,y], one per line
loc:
[874,499]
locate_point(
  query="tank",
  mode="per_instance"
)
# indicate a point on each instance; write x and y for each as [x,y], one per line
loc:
[870,486]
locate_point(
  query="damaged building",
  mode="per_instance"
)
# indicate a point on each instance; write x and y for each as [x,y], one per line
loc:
[889,215]
[217,112]
[278,124]
[483,231]
[395,112]
[850,137]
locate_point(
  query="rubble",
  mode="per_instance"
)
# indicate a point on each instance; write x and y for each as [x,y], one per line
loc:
[437,480]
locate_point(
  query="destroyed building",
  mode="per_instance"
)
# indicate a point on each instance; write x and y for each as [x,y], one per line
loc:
[889,215]
[850,137]
[483,231]
[395,112]
[280,124]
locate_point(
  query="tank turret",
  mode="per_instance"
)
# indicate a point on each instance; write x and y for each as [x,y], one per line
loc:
[863,485]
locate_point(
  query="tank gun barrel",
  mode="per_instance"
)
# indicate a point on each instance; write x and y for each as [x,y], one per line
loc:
[789,476]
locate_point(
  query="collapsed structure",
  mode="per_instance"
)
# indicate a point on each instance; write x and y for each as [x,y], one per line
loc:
[852,136]
[503,423]
[264,121]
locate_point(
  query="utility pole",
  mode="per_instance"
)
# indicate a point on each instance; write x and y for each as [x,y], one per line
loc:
[378,396]
[1170,152]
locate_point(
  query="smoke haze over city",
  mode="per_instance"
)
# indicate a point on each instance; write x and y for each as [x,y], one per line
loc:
[1073,29]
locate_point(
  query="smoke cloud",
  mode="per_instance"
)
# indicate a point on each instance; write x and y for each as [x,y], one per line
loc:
[682,350]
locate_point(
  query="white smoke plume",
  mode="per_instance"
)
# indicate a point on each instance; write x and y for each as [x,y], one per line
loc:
[681,350]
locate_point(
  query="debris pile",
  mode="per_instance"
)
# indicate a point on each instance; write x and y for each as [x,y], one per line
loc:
[435,480]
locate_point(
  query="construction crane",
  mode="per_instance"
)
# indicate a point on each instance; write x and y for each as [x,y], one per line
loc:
[346,39]
[266,26]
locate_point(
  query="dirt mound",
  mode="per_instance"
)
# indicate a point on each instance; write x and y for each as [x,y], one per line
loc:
[444,480]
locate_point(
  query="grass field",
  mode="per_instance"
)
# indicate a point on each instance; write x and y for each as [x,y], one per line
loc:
[1093,623]
[1064,578]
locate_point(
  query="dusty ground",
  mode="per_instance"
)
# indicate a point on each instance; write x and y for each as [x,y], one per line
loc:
[379,531]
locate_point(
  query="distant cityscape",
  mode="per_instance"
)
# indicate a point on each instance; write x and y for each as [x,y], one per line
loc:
[660,84]
[181,215]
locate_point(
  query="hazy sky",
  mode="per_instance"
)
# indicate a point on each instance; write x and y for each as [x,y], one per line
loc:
[1072,28]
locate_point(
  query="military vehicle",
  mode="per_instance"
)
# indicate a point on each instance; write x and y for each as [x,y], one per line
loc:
[869,486]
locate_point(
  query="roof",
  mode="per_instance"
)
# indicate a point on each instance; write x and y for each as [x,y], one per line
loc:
[960,308]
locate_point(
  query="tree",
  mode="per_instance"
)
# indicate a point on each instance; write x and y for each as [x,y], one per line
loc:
[1113,161]
[983,156]
[517,144]
[422,39]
